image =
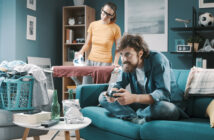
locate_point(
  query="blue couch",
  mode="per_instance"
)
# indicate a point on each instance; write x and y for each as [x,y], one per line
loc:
[105,127]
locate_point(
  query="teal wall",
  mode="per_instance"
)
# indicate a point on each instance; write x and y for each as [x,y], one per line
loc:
[48,34]
[13,22]
[181,9]
[7,29]
[176,9]
[13,14]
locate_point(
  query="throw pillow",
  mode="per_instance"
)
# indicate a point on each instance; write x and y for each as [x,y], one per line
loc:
[210,113]
[200,82]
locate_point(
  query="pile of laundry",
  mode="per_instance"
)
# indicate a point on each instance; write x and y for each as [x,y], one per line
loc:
[16,69]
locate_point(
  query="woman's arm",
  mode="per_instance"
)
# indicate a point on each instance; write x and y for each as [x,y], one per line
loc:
[117,55]
[87,44]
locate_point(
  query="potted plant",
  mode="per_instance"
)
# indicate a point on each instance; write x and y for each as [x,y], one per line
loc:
[197,40]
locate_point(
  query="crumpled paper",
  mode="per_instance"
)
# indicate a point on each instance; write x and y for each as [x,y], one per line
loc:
[72,114]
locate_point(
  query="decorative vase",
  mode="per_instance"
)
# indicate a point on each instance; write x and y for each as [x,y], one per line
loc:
[78,2]
[196,45]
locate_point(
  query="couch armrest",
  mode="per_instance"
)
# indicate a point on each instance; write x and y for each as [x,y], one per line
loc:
[88,94]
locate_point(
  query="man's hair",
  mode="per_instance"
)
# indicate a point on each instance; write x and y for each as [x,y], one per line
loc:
[114,8]
[134,41]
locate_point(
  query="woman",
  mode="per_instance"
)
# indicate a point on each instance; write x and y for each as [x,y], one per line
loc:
[101,36]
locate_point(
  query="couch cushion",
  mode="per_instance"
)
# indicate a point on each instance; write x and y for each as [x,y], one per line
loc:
[198,106]
[181,78]
[190,129]
[101,119]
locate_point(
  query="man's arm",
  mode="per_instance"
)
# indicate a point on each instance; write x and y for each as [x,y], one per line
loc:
[125,98]
[122,81]
[161,81]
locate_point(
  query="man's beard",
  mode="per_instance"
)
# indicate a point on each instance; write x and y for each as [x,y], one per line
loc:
[128,67]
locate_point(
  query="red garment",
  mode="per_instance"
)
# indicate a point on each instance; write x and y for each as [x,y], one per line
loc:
[101,74]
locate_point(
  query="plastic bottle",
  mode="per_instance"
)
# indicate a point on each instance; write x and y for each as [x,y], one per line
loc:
[55,107]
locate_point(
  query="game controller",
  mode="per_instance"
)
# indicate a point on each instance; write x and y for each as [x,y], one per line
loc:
[111,94]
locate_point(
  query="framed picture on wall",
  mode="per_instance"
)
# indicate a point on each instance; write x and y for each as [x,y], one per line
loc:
[31,27]
[148,18]
[31,4]
[206,3]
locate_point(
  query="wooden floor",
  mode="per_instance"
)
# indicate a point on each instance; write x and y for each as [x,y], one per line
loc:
[50,134]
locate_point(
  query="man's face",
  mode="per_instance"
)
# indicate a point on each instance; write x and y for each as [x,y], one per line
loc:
[130,59]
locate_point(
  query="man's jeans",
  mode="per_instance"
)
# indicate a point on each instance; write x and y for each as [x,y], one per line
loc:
[162,110]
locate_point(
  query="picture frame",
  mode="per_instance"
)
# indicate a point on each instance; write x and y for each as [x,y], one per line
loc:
[31,28]
[31,4]
[152,25]
[206,3]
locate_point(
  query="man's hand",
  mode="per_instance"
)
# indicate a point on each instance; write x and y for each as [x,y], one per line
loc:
[110,99]
[125,97]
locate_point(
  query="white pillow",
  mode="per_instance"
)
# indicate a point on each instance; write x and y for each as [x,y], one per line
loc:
[200,82]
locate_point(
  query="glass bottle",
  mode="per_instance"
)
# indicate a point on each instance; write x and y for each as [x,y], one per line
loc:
[70,91]
[55,107]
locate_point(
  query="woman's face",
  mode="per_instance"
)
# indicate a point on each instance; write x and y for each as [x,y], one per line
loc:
[107,14]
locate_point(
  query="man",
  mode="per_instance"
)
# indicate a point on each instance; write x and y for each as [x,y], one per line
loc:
[153,86]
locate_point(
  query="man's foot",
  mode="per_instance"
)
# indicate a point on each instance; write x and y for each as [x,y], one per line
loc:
[138,120]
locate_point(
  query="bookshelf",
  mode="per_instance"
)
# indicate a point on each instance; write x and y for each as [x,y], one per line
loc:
[206,32]
[74,36]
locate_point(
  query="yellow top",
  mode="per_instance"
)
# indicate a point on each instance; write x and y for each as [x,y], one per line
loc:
[103,37]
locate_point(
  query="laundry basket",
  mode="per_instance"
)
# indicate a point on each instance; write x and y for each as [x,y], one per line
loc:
[16,94]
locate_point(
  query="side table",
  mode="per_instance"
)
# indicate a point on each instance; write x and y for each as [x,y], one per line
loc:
[61,126]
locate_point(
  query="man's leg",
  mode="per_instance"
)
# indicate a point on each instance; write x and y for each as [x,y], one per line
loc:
[119,111]
[162,110]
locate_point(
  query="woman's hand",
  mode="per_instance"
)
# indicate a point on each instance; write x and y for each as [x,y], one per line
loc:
[116,65]
[78,54]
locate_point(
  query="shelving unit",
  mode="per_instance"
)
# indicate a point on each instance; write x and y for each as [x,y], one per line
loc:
[195,29]
[79,29]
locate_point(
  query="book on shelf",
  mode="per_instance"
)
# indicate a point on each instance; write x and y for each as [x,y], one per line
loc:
[70,55]
[69,36]
[32,119]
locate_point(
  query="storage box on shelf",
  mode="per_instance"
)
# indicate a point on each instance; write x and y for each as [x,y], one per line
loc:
[76,20]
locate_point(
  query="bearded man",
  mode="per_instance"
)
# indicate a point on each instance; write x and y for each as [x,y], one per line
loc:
[154,92]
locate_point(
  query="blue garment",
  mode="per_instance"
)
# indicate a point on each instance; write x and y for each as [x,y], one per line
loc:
[159,82]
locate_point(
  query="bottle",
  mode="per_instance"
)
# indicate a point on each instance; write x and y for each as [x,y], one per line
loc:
[55,107]
[70,91]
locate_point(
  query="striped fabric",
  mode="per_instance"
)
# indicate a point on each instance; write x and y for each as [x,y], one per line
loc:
[200,82]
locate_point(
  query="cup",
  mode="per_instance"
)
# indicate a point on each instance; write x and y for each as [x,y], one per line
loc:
[199,62]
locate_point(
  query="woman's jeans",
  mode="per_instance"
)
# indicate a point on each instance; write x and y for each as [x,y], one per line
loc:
[162,110]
